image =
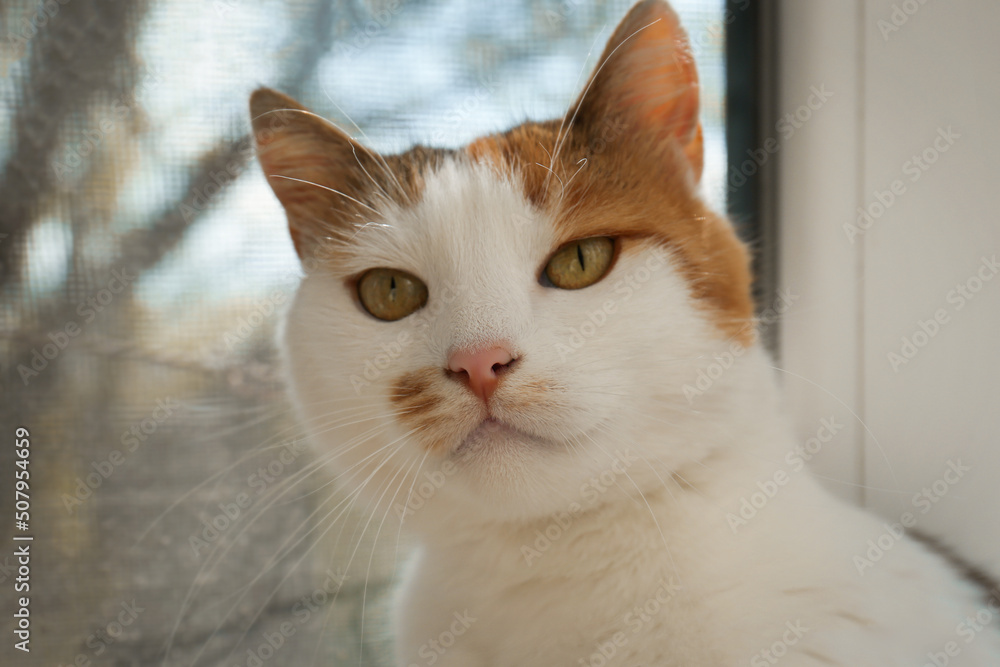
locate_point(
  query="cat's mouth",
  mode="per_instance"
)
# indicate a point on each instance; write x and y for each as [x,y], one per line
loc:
[491,432]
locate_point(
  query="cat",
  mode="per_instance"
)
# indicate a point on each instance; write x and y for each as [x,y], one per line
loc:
[492,344]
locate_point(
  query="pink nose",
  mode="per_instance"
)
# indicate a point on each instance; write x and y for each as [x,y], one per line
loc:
[481,367]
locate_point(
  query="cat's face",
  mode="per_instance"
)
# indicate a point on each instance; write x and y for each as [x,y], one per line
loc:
[521,314]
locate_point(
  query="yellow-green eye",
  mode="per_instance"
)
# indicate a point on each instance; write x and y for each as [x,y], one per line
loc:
[390,295]
[580,263]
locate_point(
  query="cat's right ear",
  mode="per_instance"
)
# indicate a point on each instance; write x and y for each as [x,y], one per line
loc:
[647,84]
[316,171]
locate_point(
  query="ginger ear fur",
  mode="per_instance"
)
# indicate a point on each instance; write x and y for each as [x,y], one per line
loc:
[316,171]
[646,80]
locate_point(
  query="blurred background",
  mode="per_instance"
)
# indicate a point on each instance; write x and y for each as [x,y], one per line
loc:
[178,516]
[144,265]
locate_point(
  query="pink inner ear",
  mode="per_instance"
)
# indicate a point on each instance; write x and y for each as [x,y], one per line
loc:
[695,152]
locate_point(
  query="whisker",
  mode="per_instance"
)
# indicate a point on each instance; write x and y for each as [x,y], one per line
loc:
[280,556]
[346,196]
[593,78]
[385,165]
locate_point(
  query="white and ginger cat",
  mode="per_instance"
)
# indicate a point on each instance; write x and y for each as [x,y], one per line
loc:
[492,344]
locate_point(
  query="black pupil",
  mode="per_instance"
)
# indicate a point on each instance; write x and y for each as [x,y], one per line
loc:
[579,256]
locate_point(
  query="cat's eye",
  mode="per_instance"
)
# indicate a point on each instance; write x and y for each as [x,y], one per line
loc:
[390,294]
[580,263]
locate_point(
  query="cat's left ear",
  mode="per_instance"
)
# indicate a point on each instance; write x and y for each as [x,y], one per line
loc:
[646,81]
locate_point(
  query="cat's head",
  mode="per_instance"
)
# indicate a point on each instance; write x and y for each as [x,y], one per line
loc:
[523,313]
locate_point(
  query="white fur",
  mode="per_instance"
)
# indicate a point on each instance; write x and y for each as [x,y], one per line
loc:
[614,405]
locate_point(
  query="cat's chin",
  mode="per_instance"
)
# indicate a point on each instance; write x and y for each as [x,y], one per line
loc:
[494,436]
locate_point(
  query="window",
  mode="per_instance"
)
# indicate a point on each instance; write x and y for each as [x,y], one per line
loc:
[144,260]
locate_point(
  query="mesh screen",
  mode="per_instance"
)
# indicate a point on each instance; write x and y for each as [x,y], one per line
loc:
[175,515]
